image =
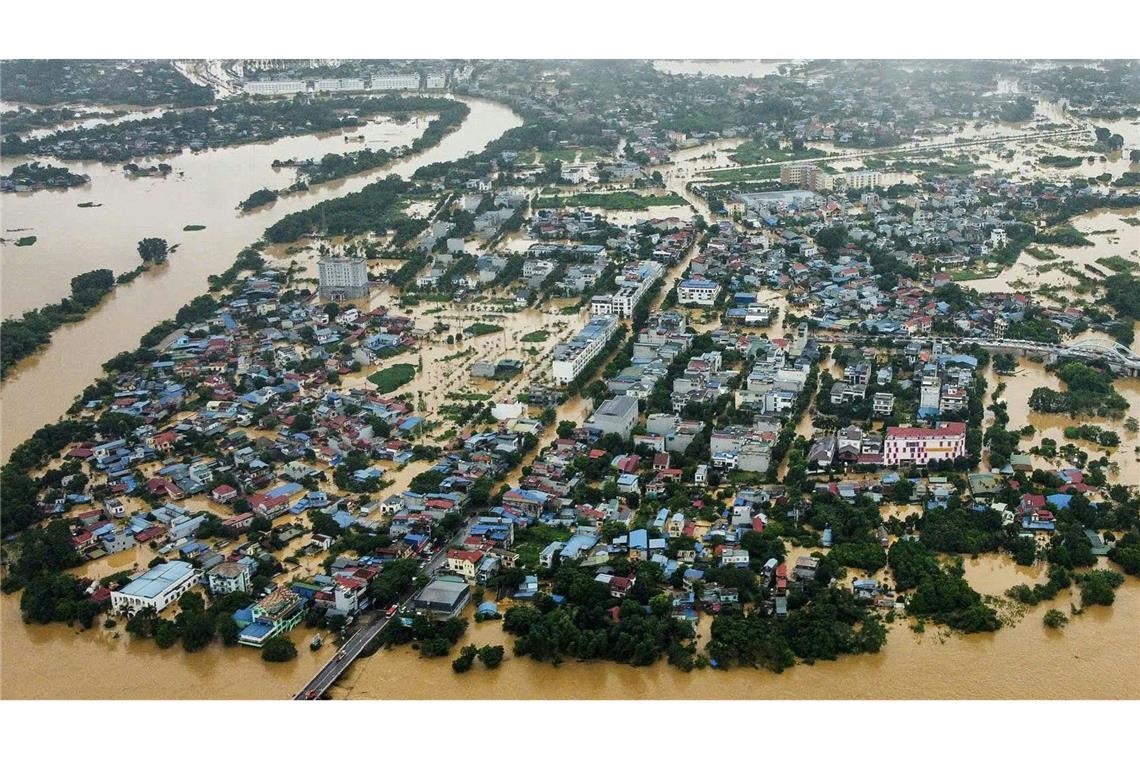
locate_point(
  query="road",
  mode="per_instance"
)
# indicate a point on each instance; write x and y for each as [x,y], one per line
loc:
[370,625]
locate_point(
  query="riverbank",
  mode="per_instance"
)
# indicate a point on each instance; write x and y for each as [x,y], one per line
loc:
[1026,661]
[43,387]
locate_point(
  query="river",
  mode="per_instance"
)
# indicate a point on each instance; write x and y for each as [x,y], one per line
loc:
[74,240]
[1094,657]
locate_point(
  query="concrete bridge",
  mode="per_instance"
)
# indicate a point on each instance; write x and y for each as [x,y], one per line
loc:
[1120,359]
[370,625]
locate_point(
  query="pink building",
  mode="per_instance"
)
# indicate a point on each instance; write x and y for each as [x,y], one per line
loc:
[920,446]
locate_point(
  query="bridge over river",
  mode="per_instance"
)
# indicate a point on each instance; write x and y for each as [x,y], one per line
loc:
[1118,357]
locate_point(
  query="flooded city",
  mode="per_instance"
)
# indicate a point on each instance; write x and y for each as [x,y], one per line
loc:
[261,406]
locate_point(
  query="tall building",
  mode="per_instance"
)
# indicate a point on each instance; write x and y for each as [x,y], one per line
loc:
[343,277]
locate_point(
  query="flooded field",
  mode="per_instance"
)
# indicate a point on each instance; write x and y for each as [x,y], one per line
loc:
[1032,375]
[1105,228]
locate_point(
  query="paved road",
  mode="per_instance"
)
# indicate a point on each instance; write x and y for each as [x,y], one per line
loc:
[370,625]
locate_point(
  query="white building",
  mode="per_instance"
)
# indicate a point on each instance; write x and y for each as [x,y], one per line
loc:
[633,283]
[227,578]
[615,415]
[697,291]
[343,277]
[155,589]
[569,359]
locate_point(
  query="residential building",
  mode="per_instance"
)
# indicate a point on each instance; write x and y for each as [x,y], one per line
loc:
[569,359]
[227,578]
[342,277]
[697,291]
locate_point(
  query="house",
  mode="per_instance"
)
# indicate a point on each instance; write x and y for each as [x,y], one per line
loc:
[224,494]
[227,578]
[464,563]
[882,404]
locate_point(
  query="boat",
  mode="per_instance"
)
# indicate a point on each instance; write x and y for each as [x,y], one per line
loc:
[316,643]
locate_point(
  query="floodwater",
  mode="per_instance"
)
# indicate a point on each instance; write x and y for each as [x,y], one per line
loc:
[59,662]
[71,242]
[1032,375]
[1105,228]
[1094,657]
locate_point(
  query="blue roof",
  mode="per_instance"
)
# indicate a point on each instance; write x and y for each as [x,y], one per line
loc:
[287,489]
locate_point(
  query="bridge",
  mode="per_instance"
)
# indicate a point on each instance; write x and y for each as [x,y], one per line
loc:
[1118,357]
[371,625]
[903,150]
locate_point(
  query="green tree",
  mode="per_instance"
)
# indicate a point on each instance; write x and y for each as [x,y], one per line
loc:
[278,648]
[153,250]
[463,662]
[491,656]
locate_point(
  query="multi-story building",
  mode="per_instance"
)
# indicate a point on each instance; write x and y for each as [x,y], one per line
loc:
[464,563]
[920,446]
[227,578]
[697,291]
[570,358]
[633,283]
[813,177]
[616,415]
[280,611]
[343,277]
[155,589]
[883,403]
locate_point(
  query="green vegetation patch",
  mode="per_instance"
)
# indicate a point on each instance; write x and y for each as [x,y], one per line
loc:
[1117,263]
[391,378]
[620,201]
[482,328]
[753,152]
[538,336]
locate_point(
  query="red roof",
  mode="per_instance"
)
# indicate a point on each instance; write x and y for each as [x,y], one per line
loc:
[943,430]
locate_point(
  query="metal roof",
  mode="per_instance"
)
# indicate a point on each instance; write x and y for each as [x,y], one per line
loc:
[158,579]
